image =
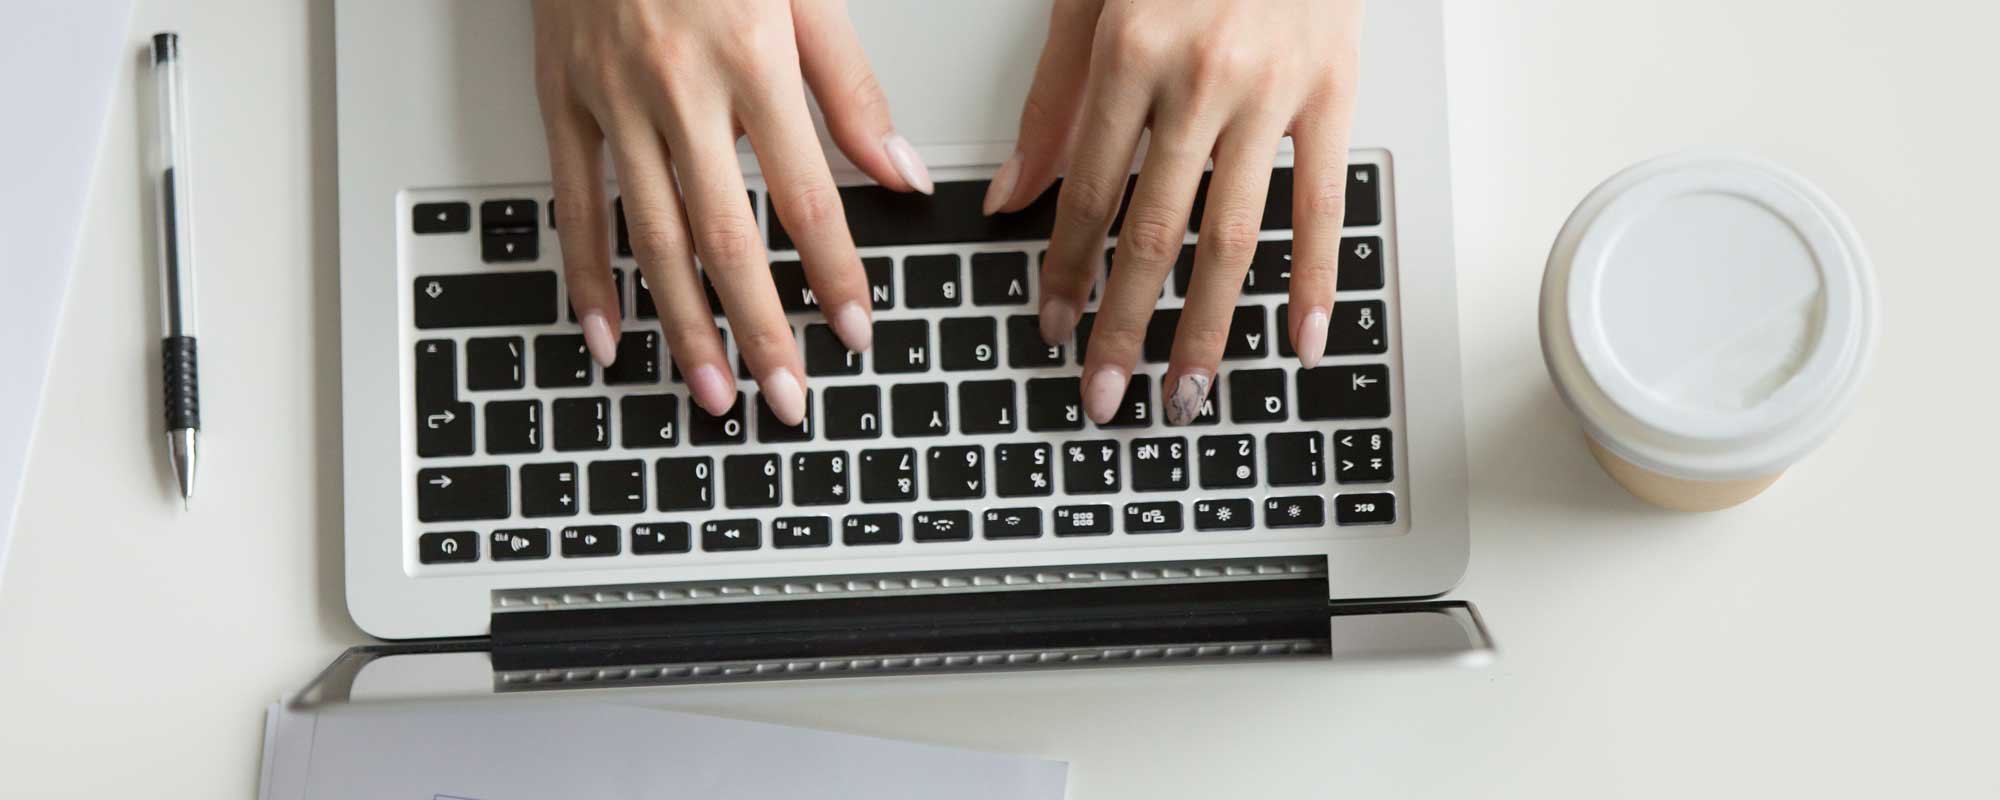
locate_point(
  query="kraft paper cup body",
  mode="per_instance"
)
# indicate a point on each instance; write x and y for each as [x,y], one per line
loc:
[1709,318]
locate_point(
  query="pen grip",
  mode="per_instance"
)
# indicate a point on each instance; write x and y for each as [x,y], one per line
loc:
[183,400]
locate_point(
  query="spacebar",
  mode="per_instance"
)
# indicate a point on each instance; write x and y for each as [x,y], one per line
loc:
[878,217]
[486,298]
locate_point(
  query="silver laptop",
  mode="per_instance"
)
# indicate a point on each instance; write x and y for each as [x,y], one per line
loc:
[946,504]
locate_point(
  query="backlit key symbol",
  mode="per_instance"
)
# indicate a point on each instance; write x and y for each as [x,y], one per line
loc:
[1363,251]
[1363,381]
[434,290]
[1361,176]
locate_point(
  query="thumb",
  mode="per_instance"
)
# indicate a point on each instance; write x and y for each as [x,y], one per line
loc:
[857,113]
[1047,118]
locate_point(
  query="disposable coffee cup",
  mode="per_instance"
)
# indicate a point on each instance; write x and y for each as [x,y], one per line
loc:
[1709,318]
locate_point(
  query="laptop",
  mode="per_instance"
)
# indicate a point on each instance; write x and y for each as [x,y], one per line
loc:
[947,505]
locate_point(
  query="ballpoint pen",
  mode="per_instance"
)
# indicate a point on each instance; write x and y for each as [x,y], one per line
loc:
[176,246]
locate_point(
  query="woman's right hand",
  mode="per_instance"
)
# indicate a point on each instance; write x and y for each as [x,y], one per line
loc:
[670,85]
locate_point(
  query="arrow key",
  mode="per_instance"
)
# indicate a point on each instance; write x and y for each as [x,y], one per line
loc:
[428,218]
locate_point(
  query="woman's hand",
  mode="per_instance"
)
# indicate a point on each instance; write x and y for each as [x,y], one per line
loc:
[670,85]
[1220,79]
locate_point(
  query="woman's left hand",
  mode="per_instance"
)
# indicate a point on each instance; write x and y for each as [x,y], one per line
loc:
[1226,80]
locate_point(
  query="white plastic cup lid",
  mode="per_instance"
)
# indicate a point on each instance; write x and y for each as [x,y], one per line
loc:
[1708,316]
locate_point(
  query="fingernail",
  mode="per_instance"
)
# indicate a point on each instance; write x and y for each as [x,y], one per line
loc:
[784,395]
[711,389]
[1058,320]
[1184,404]
[1311,338]
[908,163]
[599,338]
[1002,187]
[852,325]
[1103,392]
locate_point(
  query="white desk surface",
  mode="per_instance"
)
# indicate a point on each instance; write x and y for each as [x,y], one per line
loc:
[1833,638]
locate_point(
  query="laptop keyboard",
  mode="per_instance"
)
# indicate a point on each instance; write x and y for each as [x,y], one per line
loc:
[960,431]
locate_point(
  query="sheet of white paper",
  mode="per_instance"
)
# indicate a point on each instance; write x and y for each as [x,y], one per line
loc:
[535,749]
[62,58]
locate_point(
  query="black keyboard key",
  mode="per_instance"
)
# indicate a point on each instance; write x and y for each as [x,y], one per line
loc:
[1013,523]
[706,429]
[500,215]
[881,281]
[509,230]
[1090,467]
[449,547]
[819,479]
[495,363]
[582,423]
[951,214]
[1303,511]
[968,343]
[1160,465]
[1377,508]
[444,425]
[1135,409]
[686,484]
[621,233]
[1277,201]
[931,281]
[505,246]
[513,426]
[1360,264]
[793,294]
[1345,392]
[1247,335]
[1084,325]
[1184,270]
[642,301]
[771,429]
[446,494]
[488,299]
[1364,196]
[1270,269]
[941,526]
[826,355]
[520,544]
[853,412]
[1054,404]
[751,481]
[920,409]
[1224,515]
[793,532]
[1090,520]
[724,535]
[957,472]
[561,361]
[1159,341]
[638,359]
[426,218]
[1023,470]
[617,487]
[548,490]
[659,538]
[589,541]
[1227,462]
[649,420]
[902,346]
[986,407]
[1355,329]
[1025,348]
[867,529]
[1159,517]
[1000,279]
[1257,395]
[888,476]
[1363,456]
[1295,459]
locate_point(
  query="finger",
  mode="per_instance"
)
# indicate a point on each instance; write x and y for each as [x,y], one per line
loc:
[1228,239]
[808,204]
[1091,192]
[1049,114]
[1148,244]
[1319,208]
[732,255]
[576,163]
[658,228]
[857,113]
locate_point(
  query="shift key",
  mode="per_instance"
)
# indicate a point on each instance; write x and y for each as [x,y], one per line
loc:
[447,494]
[485,299]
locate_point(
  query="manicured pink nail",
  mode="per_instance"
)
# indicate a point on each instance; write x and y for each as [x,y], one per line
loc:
[599,338]
[711,389]
[1102,393]
[1311,338]
[852,325]
[1002,188]
[908,164]
[784,395]
[1059,318]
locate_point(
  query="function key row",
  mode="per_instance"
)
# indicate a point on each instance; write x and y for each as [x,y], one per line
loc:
[863,530]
